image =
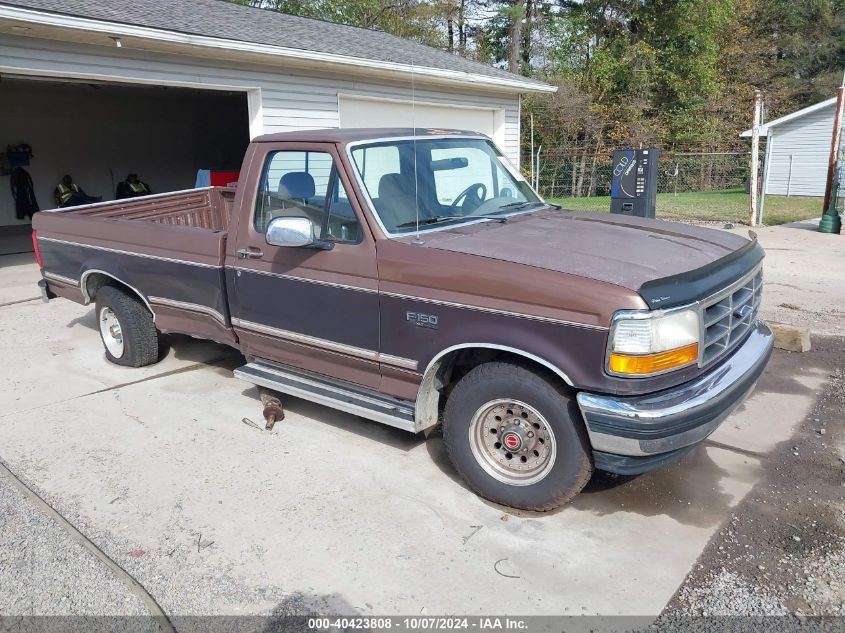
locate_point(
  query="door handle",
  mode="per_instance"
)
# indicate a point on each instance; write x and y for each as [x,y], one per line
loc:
[249,253]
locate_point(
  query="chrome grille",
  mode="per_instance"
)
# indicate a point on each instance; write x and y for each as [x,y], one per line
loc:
[729,315]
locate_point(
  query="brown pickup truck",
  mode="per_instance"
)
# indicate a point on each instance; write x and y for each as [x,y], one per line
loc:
[414,278]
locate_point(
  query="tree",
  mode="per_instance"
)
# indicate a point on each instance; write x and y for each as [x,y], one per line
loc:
[806,48]
[413,19]
[631,70]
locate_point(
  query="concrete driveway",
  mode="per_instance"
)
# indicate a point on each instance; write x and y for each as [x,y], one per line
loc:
[328,512]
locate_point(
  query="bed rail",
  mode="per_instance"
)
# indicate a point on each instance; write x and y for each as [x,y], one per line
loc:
[207,208]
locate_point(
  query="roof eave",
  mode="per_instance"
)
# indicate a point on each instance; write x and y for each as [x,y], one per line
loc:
[764,131]
[152,35]
[792,116]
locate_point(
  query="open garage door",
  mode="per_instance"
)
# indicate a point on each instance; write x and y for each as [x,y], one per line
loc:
[101,132]
[374,112]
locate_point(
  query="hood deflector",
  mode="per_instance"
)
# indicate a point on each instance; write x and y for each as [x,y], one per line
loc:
[687,287]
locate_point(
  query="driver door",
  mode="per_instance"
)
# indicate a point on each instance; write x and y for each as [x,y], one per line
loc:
[310,308]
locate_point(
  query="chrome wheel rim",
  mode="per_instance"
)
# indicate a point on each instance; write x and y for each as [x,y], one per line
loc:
[111,332]
[512,442]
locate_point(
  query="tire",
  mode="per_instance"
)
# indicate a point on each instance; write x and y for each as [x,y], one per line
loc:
[552,461]
[126,328]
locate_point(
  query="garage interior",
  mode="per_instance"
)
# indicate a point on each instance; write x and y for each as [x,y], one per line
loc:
[100,132]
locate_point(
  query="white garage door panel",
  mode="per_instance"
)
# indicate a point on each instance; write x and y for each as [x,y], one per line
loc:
[355,112]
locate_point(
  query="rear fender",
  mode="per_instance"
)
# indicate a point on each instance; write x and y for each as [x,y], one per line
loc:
[93,278]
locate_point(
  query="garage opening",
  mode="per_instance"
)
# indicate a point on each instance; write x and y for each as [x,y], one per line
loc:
[101,132]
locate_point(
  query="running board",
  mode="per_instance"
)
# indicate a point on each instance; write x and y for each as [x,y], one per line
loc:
[336,394]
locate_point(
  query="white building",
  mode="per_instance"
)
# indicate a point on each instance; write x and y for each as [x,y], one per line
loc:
[102,88]
[797,151]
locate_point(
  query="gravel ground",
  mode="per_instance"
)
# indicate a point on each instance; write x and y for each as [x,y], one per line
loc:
[782,552]
[44,571]
[829,320]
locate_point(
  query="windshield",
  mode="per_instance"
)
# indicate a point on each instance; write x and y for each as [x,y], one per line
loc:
[454,179]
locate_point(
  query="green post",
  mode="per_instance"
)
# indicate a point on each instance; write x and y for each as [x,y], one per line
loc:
[831,222]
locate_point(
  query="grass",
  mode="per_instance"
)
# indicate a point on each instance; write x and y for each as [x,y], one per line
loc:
[713,206]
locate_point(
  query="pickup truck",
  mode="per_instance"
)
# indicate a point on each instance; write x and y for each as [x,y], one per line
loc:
[414,278]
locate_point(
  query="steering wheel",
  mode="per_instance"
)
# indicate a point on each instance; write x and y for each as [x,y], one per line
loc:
[477,198]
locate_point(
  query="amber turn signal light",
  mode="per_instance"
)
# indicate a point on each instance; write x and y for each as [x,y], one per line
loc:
[645,364]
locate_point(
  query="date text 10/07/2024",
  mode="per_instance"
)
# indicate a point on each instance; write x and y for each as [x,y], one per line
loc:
[418,623]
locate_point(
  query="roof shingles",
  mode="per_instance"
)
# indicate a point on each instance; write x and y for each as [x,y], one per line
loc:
[226,20]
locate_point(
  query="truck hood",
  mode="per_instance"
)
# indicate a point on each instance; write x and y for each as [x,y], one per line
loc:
[622,250]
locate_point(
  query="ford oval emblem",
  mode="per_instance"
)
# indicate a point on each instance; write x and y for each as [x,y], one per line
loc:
[743,312]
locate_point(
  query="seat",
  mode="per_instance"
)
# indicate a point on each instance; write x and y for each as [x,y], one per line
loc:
[297,185]
[295,196]
[395,203]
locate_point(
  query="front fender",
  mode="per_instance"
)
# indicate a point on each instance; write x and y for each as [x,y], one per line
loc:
[427,412]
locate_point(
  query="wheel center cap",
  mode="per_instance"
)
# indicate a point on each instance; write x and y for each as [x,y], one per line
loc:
[512,441]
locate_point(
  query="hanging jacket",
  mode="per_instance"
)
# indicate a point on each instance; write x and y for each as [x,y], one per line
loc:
[23,193]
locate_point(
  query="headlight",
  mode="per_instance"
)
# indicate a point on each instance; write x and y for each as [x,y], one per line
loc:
[648,343]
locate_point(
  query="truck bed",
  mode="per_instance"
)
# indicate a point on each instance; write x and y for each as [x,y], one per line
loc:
[187,225]
[169,248]
[208,208]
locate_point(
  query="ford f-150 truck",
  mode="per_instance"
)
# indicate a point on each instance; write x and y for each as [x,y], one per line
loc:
[414,278]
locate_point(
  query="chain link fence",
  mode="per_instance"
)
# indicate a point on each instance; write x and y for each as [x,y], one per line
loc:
[578,172]
[839,190]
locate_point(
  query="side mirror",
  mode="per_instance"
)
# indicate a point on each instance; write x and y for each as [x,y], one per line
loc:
[295,232]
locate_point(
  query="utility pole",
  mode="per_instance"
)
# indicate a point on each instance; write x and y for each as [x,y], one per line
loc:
[831,222]
[755,157]
[834,147]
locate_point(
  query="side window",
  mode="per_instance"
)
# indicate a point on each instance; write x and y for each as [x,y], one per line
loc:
[450,182]
[305,184]
[342,224]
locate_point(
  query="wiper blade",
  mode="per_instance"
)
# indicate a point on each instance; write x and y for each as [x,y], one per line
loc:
[444,218]
[518,205]
[498,218]
[425,221]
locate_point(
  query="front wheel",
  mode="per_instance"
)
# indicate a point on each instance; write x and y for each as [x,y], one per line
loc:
[516,437]
[126,328]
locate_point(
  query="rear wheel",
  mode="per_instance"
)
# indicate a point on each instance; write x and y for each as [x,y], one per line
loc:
[126,328]
[516,437]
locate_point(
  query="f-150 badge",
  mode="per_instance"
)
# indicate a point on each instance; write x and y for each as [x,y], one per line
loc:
[419,319]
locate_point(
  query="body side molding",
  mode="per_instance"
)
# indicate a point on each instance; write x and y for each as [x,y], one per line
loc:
[117,251]
[517,315]
[60,278]
[332,346]
[190,307]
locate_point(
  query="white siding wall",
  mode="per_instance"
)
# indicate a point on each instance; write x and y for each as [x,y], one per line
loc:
[290,100]
[805,142]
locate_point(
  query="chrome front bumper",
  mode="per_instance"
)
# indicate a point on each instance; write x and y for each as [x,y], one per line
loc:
[645,428]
